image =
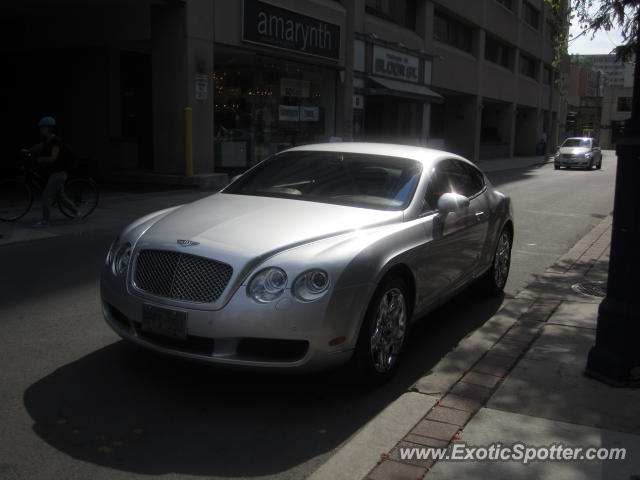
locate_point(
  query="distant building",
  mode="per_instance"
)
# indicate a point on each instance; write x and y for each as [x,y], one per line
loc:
[615,74]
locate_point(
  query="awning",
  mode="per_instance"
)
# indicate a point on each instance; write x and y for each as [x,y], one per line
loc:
[404,89]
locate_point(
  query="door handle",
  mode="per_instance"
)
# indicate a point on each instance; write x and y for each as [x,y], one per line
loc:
[480,216]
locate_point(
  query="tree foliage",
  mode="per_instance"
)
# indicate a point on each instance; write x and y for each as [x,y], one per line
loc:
[604,15]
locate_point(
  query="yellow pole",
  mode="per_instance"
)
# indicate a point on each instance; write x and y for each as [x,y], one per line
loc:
[188,141]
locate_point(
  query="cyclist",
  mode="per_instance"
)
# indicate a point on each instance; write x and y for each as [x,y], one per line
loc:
[50,152]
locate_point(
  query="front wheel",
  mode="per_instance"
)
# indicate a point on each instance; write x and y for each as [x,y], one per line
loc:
[383,333]
[16,198]
[599,165]
[83,194]
[494,280]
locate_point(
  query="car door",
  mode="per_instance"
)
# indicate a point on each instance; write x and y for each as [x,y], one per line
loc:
[454,240]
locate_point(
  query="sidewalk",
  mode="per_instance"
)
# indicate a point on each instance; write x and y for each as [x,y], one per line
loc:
[518,378]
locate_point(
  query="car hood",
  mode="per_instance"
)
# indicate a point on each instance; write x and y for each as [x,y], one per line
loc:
[241,226]
[573,150]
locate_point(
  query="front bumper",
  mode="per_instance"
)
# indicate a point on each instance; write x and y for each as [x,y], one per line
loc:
[572,162]
[286,334]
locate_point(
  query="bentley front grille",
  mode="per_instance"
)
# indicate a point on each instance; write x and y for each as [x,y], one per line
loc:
[181,276]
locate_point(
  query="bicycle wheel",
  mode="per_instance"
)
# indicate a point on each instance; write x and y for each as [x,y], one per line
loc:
[83,192]
[16,198]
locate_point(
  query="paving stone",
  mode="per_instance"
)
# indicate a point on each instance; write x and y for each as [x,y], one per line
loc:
[425,441]
[482,379]
[392,470]
[437,430]
[449,415]
[460,403]
[469,390]
[497,365]
[395,455]
[508,349]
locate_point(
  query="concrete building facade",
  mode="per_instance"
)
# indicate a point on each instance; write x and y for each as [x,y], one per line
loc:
[257,76]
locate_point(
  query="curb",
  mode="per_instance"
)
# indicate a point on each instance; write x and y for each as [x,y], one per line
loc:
[462,382]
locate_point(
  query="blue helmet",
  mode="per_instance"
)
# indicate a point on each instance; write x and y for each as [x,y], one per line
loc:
[47,122]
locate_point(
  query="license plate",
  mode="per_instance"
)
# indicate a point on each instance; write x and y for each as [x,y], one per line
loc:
[162,321]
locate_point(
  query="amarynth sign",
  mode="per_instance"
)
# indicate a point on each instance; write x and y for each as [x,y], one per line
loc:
[267,24]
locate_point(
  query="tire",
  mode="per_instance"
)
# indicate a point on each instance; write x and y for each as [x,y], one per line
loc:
[599,165]
[16,198]
[383,333]
[494,280]
[84,193]
[556,167]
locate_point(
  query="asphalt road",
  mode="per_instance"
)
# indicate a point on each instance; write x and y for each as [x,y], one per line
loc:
[77,402]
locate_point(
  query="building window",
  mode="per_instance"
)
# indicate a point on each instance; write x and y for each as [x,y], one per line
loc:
[547,75]
[452,32]
[497,52]
[531,15]
[402,12]
[506,3]
[624,104]
[527,66]
[267,104]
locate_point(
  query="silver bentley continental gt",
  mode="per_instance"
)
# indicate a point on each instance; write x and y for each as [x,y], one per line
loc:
[318,256]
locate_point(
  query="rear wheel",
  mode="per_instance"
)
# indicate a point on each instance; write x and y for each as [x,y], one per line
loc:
[383,333]
[16,198]
[494,280]
[557,167]
[83,192]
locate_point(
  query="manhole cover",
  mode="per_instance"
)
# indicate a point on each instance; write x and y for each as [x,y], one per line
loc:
[592,289]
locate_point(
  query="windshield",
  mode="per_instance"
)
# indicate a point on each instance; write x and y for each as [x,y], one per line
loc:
[577,142]
[356,180]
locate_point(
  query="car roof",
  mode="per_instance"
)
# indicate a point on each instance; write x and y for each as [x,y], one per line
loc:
[427,156]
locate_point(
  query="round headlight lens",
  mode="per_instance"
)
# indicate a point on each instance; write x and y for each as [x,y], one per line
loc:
[268,284]
[311,285]
[121,259]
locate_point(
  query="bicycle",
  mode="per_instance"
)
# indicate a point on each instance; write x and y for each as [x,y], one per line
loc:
[17,193]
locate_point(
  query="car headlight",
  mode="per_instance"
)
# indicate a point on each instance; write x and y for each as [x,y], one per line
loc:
[121,259]
[588,155]
[311,285]
[267,285]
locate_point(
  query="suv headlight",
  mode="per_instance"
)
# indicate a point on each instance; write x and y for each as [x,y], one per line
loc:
[311,285]
[267,285]
[121,259]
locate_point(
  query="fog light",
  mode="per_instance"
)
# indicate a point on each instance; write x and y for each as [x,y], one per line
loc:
[337,341]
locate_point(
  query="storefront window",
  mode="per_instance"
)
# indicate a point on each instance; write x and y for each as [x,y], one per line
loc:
[264,105]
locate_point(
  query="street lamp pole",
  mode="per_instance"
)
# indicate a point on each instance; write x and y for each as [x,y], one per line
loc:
[615,357]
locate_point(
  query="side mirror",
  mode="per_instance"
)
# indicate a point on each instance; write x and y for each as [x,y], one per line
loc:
[452,202]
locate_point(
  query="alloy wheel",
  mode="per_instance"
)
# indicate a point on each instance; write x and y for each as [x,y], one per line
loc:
[502,260]
[389,330]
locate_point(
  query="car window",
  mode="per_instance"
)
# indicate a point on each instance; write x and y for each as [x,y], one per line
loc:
[352,179]
[475,180]
[577,142]
[452,176]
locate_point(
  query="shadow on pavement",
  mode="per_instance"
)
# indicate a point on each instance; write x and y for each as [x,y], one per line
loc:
[137,412]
